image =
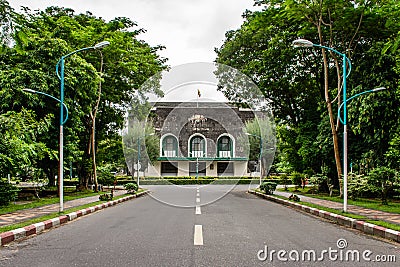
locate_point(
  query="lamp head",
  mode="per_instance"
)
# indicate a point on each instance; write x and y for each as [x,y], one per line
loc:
[29,90]
[378,89]
[302,43]
[101,45]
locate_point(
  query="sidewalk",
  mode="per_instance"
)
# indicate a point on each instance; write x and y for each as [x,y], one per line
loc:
[369,213]
[27,214]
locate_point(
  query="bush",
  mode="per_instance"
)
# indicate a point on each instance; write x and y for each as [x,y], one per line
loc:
[106,197]
[322,184]
[268,187]
[8,192]
[105,176]
[358,186]
[297,179]
[294,197]
[383,180]
[131,187]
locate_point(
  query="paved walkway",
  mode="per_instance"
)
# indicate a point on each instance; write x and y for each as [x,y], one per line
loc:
[369,213]
[27,214]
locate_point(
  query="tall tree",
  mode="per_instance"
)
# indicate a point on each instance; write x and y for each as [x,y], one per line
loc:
[41,38]
[304,85]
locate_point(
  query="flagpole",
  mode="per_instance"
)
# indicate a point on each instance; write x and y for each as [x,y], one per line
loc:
[198,96]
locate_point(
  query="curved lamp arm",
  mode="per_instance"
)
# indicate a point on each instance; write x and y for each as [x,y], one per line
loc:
[96,46]
[307,43]
[356,95]
[339,53]
[42,93]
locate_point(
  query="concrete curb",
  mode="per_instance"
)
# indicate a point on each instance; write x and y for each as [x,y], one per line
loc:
[37,228]
[362,226]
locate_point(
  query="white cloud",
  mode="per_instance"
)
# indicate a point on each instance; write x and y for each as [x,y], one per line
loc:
[189,29]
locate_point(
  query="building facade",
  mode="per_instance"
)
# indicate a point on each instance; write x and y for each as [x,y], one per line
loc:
[200,139]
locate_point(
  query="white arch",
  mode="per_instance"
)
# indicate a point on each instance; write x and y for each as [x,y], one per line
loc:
[233,142]
[205,143]
[162,140]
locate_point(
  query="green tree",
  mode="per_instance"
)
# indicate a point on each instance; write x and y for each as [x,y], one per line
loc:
[261,141]
[41,38]
[383,179]
[20,148]
[139,134]
[304,86]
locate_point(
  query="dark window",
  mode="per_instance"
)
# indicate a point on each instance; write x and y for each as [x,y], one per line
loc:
[197,143]
[169,168]
[224,143]
[225,168]
[169,146]
[224,147]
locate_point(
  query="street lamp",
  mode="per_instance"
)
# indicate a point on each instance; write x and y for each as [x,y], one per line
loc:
[60,74]
[354,96]
[138,160]
[357,95]
[56,99]
[261,152]
[307,43]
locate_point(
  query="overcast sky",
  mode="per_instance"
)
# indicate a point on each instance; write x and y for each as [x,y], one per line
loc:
[190,29]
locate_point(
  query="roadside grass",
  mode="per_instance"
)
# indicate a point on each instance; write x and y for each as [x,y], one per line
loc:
[350,215]
[47,201]
[375,204]
[385,224]
[57,214]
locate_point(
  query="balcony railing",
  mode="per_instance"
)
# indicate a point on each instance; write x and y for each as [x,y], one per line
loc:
[197,154]
[224,154]
[170,154]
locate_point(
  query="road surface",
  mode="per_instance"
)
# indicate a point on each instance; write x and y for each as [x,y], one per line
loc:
[200,226]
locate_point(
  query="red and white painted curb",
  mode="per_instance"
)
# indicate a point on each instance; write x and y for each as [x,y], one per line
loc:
[37,228]
[363,226]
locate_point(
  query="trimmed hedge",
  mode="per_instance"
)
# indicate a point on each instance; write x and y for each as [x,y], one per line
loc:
[199,181]
[268,187]
[8,192]
[192,180]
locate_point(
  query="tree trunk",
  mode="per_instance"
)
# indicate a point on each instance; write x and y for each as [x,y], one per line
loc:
[93,115]
[330,111]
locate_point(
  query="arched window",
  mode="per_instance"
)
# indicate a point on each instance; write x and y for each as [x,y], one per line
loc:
[169,146]
[197,147]
[225,147]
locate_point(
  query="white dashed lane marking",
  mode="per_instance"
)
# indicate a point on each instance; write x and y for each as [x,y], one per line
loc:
[198,210]
[198,235]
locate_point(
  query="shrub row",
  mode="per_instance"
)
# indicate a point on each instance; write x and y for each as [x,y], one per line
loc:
[192,179]
[197,181]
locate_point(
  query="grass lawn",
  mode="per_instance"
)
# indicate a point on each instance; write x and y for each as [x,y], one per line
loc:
[68,195]
[56,214]
[350,215]
[376,204]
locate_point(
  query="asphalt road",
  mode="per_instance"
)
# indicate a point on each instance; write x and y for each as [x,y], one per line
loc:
[231,229]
